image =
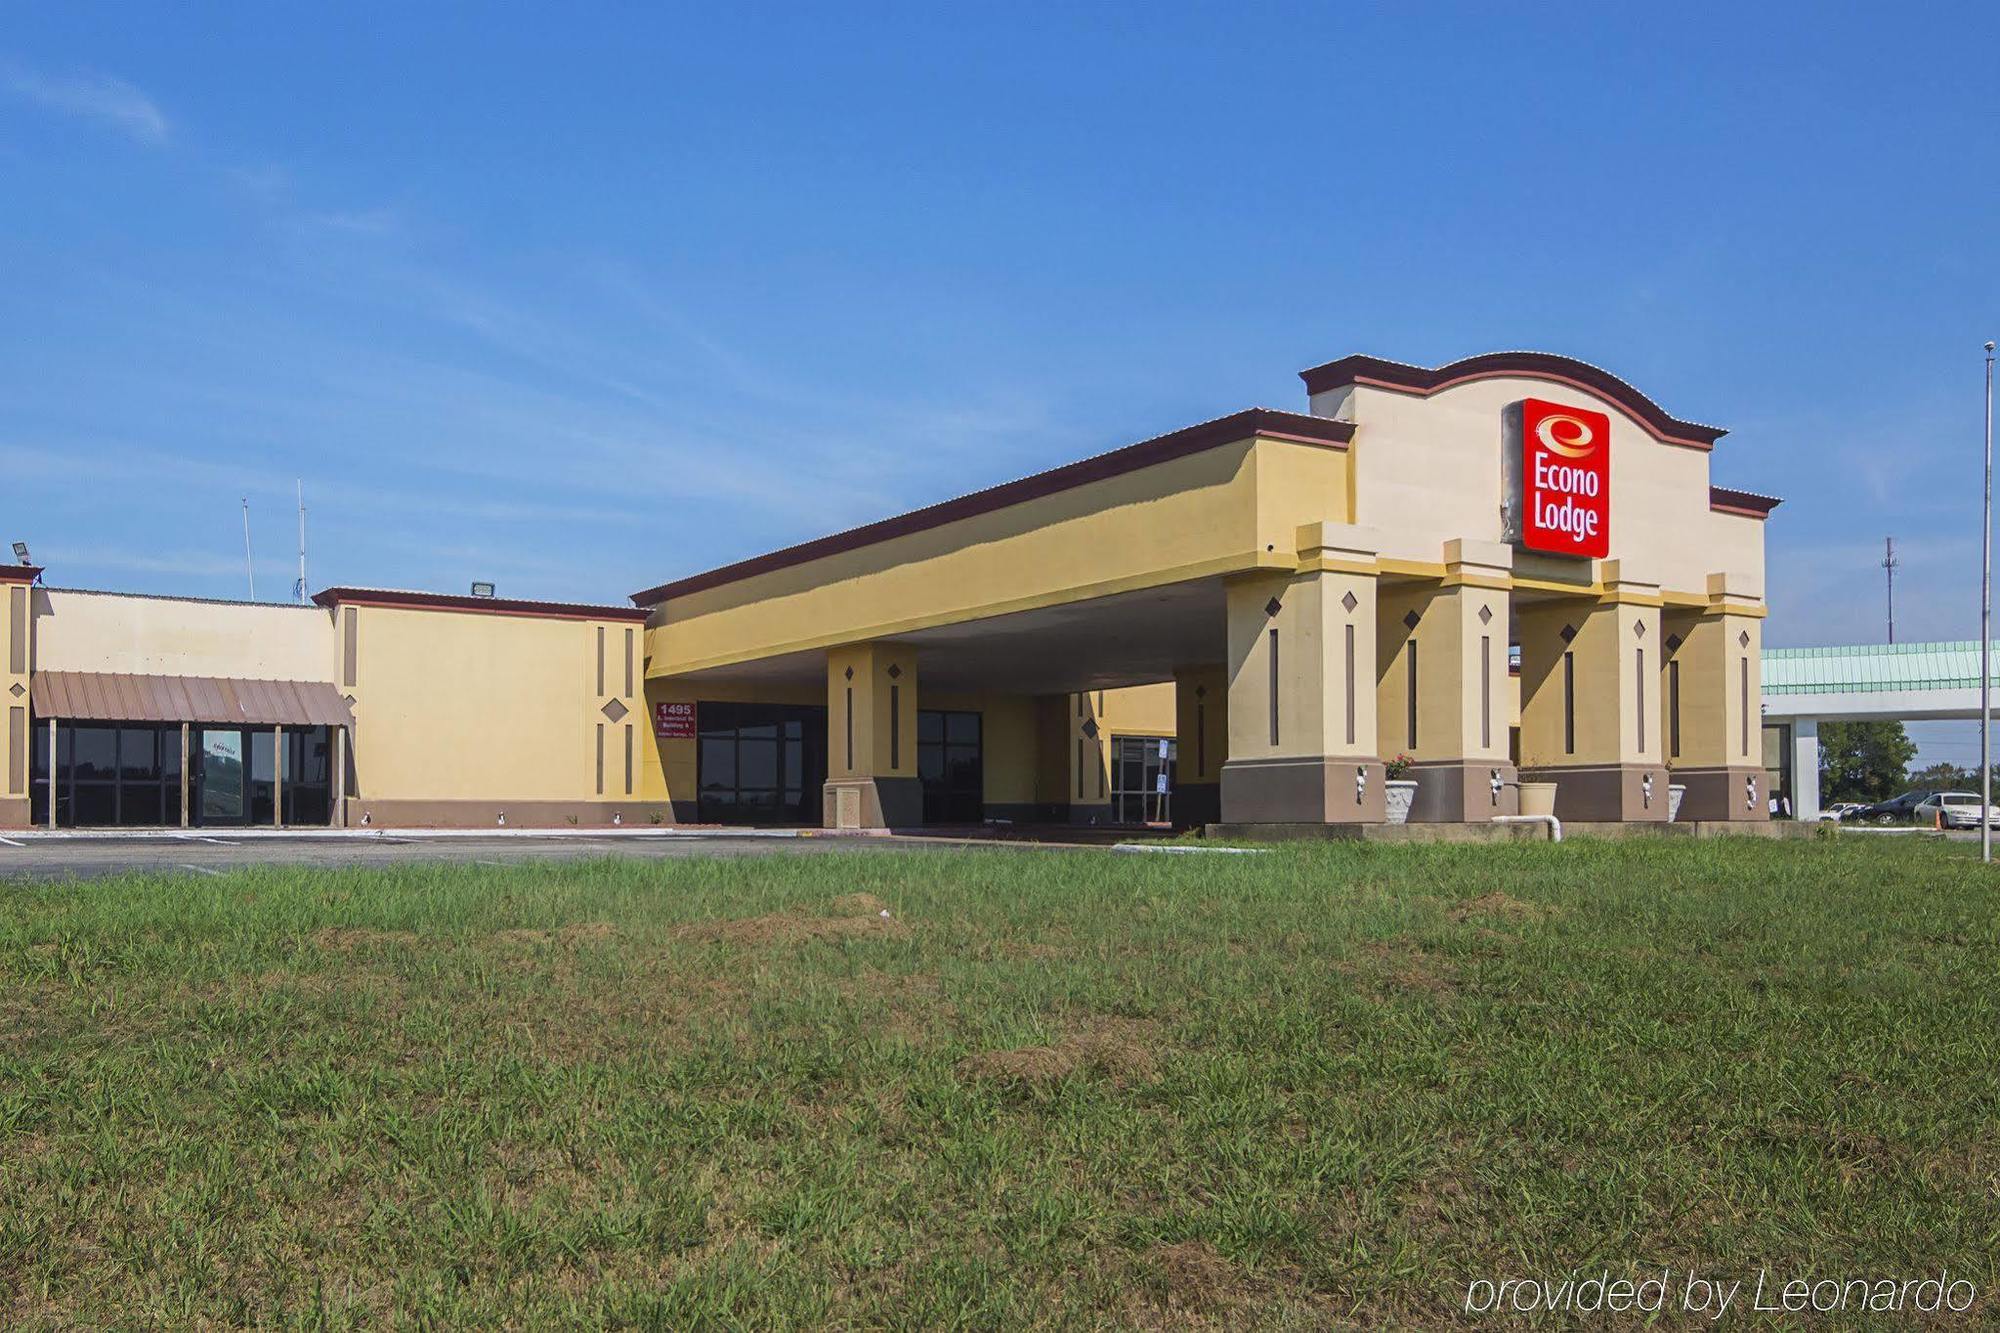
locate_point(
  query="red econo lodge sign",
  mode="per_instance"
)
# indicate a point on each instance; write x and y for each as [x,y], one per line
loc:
[1559,478]
[673,722]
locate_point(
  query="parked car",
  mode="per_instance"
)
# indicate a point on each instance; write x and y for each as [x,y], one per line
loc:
[1959,809]
[1839,810]
[1896,810]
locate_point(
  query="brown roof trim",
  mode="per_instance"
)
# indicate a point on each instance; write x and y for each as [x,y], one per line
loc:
[1747,503]
[1261,421]
[1381,374]
[491,606]
[20,573]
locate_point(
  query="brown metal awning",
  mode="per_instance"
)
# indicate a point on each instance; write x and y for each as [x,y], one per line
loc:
[102,696]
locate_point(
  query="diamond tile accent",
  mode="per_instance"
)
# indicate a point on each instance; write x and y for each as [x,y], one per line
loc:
[1410,619]
[616,711]
[1201,691]
[1569,633]
[1272,607]
[895,672]
[16,690]
[1743,638]
[1485,615]
[848,674]
[1673,643]
[1348,601]
[1090,728]
[1639,628]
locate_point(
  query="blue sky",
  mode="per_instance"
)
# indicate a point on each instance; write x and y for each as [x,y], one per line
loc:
[578,300]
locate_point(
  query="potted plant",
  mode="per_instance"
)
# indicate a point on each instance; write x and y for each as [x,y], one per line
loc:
[1399,790]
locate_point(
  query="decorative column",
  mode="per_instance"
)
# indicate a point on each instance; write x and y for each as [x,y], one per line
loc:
[1441,684]
[1714,709]
[1302,733]
[1201,722]
[871,698]
[1590,700]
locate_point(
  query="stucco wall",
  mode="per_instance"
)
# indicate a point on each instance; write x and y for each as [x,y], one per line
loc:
[176,636]
[457,706]
[1428,469]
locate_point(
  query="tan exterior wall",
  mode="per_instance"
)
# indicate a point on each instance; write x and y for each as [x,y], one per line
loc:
[1428,469]
[460,706]
[16,732]
[173,636]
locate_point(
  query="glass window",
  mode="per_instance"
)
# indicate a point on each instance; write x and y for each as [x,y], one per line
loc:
[961,728]
[93,803]
[757,761]
[138,754]
[718,763]
[95,751]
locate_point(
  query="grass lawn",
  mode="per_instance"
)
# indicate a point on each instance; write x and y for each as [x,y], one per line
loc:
[1327,1085]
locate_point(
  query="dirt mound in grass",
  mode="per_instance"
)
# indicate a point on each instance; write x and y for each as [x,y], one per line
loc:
[855,916]
[344,939]
[580,932]
[1195,1277]
[1503,906]
[1120,1049]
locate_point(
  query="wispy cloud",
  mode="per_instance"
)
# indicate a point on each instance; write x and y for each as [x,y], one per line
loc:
[104,98]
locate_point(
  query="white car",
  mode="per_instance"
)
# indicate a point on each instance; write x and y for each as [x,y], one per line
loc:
[1959,808]
[1839,810]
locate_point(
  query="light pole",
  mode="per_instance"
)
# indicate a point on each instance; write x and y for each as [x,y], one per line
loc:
[1986,635]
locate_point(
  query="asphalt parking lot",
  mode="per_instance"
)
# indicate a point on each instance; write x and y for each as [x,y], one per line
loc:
[28,857]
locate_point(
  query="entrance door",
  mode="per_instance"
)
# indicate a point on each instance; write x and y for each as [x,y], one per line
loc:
[1137,765]
[952,766]
[222,786]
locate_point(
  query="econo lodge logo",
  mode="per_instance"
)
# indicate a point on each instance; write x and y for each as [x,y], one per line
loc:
[1565,479]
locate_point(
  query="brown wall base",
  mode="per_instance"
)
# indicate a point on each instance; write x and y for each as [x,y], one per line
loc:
[16,811]
[876,803]
[1606,793]
[366,813]
[1196,804]
[1457,791]
[1726,793]
[1311,789]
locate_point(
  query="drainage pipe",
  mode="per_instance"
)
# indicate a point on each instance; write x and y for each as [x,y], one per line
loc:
[1555,825]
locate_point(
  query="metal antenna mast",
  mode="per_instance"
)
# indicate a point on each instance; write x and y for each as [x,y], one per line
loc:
[1889,566]
[299,589]
[249,567]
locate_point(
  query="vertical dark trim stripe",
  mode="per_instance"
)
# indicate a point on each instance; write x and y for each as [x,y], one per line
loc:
[1744,676]
[1412,701]
[1639,658]
[628,758]
[600,759]
[1569,703]
[1674,709]
[895,727]
[600,659]
[350,633]
[1201,740]
[1351,686]
[1274,688]
[17,629]
[630,661]
[850,728]
[1097,762]
[17,749]
[1486,691]
[1079,764]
